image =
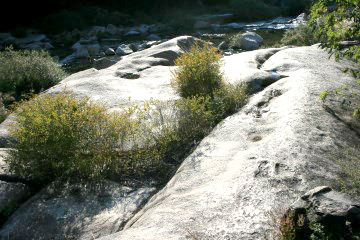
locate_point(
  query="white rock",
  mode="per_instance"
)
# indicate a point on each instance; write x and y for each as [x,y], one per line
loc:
[279,146]
[123,49]
[109,51]
[94,210]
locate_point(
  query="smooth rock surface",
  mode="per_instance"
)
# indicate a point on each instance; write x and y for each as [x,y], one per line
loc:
[11,194]
[123,49]
[278,147]
[112,87]
[82,212]
[246,67]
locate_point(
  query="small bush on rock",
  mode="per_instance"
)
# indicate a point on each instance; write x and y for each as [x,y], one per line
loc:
[24,71]
[60,137]
[198,72]
[300,36]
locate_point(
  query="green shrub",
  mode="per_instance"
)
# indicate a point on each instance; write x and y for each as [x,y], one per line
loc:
[198,72]
[24,71]
[60,137]
[300,36]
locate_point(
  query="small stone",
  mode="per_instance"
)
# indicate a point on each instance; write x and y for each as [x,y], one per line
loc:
[124,49]
[110,52]
[316,191]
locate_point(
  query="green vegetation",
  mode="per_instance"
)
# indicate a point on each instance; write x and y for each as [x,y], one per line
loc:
[198,72]
[299,36]
[60,137]
[335,21]
[23,72]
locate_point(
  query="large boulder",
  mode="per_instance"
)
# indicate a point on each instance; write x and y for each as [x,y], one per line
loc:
[334,212]
[12,194]
[246,67]
[123,50]
[77,211]
[247,41]
[115,86]
[263,158]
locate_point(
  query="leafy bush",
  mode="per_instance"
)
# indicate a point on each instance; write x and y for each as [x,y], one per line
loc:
[198,72]
[336,21]
[60,137]
[195,117]
[300,36]
[24,71]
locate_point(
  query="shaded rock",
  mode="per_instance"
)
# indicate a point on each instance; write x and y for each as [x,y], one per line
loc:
[76,46]
[143,28]
[5,137]
[112,29]
[153,37]
[48,46]
[11,194]
[10,41]
[95,30]
[336,213]
[32,38]
[93,49]
[82,52]
[280,145]
[132,33]
[79,211]
[252,36]
[110,51]
[201,24]
[156,28]
[4,36]
[104,62]
[102,54]
[123,49]
[31,46]
[139,46]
